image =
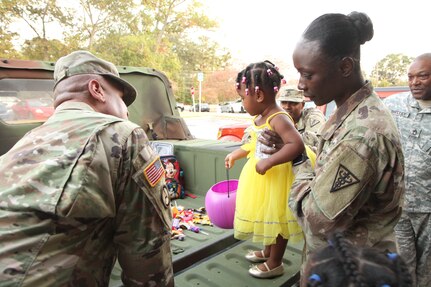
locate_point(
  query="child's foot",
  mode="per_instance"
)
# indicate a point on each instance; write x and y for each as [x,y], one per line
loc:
[256,256]
[255,271]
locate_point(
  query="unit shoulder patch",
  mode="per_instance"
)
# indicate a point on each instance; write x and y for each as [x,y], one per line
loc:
[343,178]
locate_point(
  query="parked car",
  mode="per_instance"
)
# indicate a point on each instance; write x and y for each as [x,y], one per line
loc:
[33,109]
[204,108]
[237,106]
[225,108]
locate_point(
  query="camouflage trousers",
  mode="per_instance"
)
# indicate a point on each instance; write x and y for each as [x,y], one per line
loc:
[413,234]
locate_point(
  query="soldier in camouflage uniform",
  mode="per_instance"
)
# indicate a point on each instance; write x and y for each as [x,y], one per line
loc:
[308,121]
[358,182]
[412,113]
[84,189]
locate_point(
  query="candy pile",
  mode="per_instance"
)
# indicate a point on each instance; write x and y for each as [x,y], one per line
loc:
[186,219]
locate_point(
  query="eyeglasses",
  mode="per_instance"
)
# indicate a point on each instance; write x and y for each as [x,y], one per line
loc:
[421,77]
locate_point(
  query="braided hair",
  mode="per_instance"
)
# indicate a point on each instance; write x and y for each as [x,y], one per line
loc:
[342,264]
[262,76]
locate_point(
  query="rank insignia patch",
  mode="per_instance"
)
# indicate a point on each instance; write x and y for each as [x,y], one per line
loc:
[343,178]
[154,172]
[313,122]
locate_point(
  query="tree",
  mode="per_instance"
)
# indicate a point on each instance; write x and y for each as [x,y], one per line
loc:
[37,14]
[43,49]
[391,70]
[7,50]
[100,17]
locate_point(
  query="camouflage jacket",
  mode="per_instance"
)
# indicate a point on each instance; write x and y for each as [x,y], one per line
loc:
[309,125]
[77,192]
[358,182]
[414,125]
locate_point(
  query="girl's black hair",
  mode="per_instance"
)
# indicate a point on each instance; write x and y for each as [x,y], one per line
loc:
[341,35]
[262,75]
[342,264]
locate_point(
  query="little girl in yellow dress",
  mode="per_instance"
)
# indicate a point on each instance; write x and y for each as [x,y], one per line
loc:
[262,212]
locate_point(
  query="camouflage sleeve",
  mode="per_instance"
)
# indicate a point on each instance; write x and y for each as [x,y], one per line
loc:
[143,219]
[351,171]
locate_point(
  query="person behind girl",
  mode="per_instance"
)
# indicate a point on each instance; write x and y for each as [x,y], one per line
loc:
[341,264]
[262,211]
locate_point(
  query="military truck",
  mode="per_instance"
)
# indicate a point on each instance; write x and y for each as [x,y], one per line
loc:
[209,258]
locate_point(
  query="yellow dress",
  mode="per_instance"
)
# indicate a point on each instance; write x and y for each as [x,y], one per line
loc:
[262,210]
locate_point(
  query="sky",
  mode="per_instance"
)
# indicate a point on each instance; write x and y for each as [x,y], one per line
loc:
[256,30]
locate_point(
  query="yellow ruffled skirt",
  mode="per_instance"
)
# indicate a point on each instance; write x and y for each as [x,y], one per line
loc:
[262,211]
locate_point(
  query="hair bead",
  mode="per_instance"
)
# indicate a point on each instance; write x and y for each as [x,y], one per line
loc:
[392,256]
[269,72]
[315,277]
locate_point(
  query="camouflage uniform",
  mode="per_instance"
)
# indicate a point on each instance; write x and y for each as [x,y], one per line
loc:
[413,231]
[309,125]
[357,185]
[77,192]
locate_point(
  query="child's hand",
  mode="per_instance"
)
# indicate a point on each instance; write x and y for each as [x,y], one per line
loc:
[262,166]
[229,161]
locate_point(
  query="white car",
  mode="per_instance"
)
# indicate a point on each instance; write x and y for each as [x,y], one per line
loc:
[237,106]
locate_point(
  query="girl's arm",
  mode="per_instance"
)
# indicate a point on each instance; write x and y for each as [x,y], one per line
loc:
[293,144]
[230,159]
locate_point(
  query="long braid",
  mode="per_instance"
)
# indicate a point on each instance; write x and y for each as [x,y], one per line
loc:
[342,264]
[348,259]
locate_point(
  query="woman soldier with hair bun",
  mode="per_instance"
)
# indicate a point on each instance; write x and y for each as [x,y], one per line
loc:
[357,185]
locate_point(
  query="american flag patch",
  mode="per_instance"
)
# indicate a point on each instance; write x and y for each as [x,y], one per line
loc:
[154,172]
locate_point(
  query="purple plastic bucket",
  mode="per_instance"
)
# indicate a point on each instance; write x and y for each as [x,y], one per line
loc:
[220,204]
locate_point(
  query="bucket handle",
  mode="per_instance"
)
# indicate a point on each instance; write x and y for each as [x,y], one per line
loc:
[228,187]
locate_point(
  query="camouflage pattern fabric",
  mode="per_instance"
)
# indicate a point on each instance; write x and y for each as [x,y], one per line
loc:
[77,192]
[358,182]
[309,125]
[413,234]
[414,230]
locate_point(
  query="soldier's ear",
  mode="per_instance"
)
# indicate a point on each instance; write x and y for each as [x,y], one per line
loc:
[96,90]
[347,65]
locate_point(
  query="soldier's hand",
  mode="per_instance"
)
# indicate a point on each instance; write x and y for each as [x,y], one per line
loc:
[262,166]
[271,140]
